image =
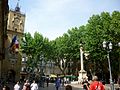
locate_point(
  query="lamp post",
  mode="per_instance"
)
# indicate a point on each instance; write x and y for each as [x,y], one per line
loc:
[108,46]
[42,64]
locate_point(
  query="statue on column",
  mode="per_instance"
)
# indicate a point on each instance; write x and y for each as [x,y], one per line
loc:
[82,73]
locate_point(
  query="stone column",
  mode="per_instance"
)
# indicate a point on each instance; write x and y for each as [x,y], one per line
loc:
[82,72]
[81,57]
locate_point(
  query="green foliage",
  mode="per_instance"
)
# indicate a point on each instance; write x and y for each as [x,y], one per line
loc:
[101,27]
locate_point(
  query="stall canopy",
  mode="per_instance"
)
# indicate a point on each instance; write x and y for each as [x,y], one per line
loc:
[52,76]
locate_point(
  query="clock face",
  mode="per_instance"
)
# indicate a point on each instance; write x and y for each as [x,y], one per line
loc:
[16,21]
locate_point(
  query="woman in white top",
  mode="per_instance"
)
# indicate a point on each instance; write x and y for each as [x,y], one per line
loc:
[17,86]
[34,86]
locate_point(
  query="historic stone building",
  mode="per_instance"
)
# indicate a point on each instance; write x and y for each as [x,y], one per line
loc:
[11,65]
[4,8]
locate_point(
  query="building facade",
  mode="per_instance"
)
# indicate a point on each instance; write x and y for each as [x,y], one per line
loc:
[11,65]
[4,8]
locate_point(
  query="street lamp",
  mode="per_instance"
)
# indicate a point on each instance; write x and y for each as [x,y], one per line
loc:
[42,64]
[108,46]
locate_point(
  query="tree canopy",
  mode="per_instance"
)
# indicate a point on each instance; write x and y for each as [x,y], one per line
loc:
[101,27]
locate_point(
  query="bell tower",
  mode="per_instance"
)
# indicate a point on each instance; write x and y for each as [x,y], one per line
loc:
[16,21]
[15,27]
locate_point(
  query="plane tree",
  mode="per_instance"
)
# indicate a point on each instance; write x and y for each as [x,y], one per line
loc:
[65,48]
[99,28]
[34,48]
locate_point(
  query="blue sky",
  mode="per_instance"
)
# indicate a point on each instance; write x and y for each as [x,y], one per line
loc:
[53,18]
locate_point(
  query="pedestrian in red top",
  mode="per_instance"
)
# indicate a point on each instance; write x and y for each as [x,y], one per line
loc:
[96,85]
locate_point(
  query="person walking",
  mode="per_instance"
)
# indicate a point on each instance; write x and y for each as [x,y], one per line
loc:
[57,83]
[47,81]
[34,86]
[96,85]
[26,85]
[17,86]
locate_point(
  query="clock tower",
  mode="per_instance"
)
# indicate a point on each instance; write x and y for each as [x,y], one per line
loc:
[15,30]
[16,21]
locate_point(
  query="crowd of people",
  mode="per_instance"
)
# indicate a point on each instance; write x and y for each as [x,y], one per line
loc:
[26,86]
[93,84]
